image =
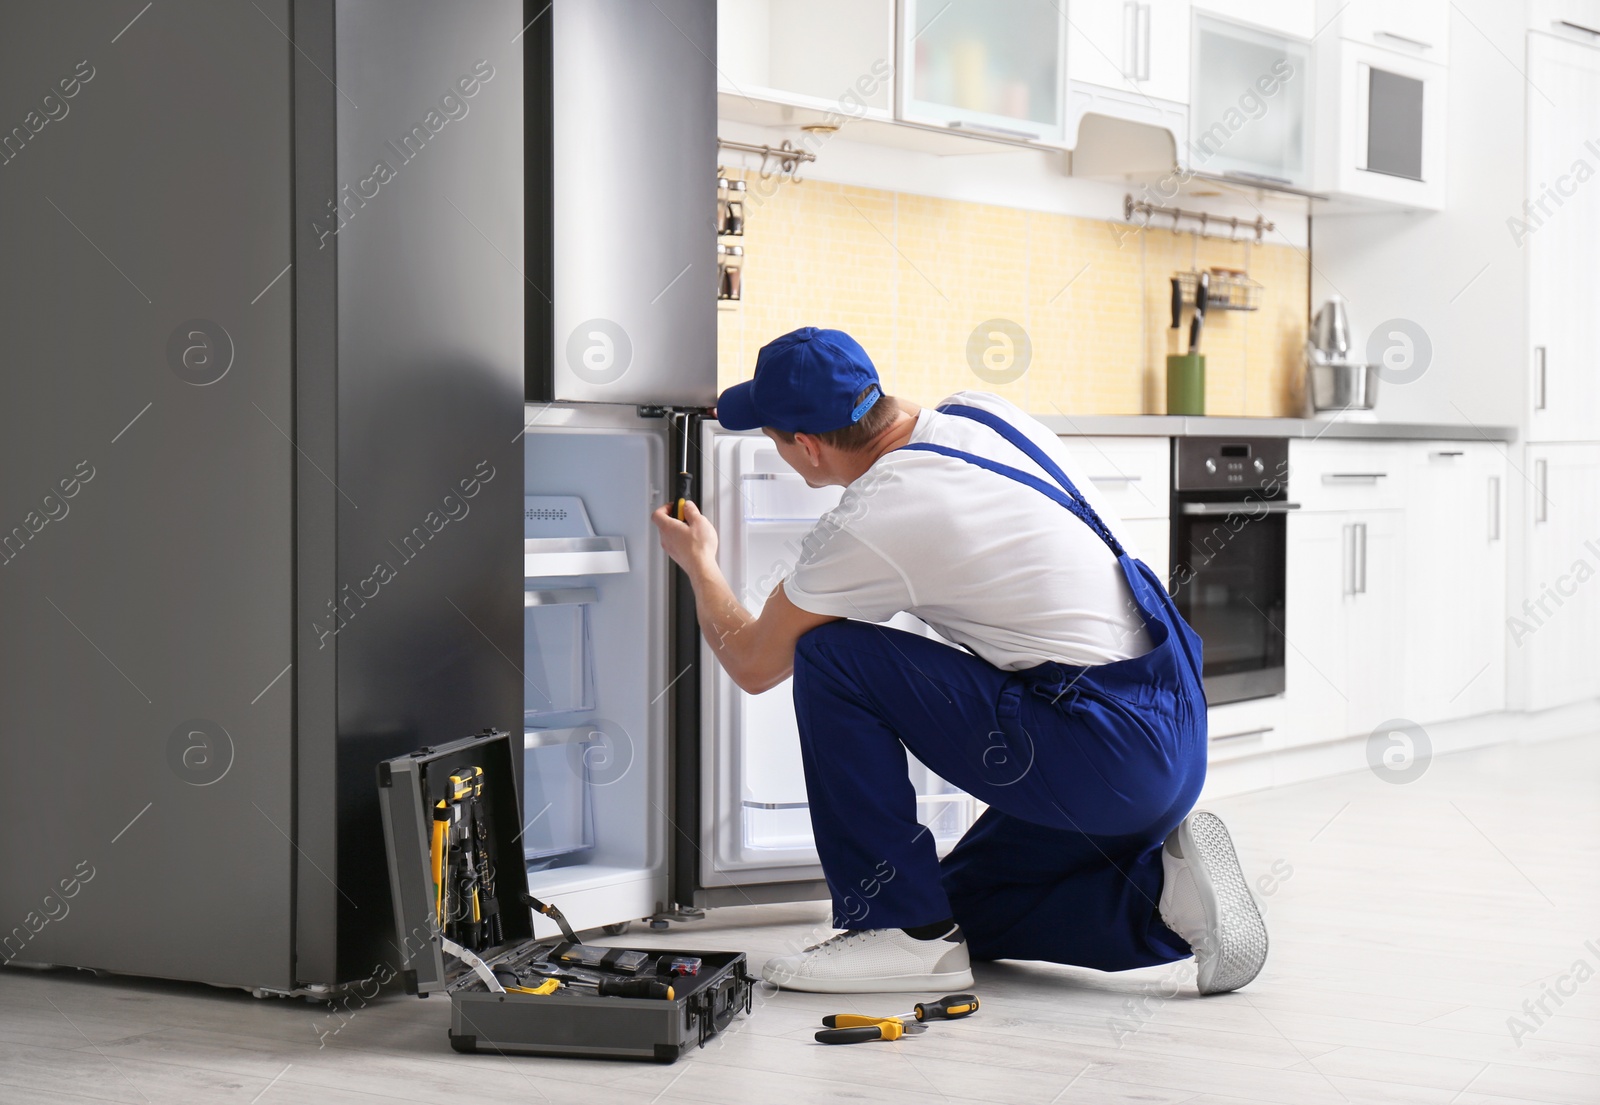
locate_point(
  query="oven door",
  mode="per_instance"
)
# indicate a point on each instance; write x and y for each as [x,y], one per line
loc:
[1228,582]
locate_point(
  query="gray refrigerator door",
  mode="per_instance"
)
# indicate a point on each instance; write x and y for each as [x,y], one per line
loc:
[634,202]
[147,567]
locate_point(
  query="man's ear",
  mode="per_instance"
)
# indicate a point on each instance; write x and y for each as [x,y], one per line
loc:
[812,447]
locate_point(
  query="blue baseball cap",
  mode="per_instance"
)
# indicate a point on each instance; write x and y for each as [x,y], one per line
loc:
[808,381]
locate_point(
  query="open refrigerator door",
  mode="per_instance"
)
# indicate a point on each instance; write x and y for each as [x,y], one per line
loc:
[756,842]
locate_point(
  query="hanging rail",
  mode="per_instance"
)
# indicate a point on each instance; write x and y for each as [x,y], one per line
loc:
[1153,211]
[788,156]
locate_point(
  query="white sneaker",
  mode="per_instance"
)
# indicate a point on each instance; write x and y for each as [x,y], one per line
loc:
[875,961]
[1204,899]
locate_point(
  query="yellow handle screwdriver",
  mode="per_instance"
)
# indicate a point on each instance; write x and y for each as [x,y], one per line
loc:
[951,1007]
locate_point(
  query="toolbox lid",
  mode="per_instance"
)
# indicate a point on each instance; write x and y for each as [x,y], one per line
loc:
[409,788]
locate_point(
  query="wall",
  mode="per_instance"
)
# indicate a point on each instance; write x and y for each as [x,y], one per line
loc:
[912,276]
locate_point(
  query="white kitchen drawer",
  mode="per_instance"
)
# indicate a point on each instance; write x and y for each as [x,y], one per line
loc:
[1348,475]
[1130,476]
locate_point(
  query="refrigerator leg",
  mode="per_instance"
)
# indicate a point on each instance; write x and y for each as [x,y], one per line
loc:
[674,912]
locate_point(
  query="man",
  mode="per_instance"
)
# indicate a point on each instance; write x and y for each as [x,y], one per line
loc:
[1073,707]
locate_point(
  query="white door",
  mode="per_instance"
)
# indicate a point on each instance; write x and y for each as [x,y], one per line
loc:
[1556,633]
[1375,625]
[1317,593]
[1138,46]
[1455,582]
[1559,234]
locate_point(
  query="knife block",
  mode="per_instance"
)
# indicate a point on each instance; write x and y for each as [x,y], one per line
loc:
[1186,383]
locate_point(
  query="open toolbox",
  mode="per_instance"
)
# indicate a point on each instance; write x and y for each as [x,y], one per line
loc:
[465,928]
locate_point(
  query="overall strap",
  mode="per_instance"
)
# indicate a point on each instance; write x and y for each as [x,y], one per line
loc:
[1021,440]
[1077,506]
[1080,506]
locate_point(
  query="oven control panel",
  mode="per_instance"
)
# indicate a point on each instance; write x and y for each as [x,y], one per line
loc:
[1231,464]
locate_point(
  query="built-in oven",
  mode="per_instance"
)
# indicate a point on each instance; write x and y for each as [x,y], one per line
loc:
[1230,506]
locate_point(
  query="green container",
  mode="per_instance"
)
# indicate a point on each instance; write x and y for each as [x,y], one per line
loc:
[1186,383]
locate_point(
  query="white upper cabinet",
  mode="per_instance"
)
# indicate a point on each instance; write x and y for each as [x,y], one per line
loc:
[1559,230]
[832,56]
[1131,45]
[1575,19]
[1295,18]
[987,66]
[1129,59]
[1249,115]
[1380,124]
[1420,28]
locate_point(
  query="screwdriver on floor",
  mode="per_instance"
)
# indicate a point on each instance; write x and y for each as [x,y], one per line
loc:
[856,1028]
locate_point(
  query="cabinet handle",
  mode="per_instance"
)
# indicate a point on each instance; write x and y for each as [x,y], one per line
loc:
[1417,42]
[1577,27]
[1361,558]
[1115,479]
[1347,560]
[1541,478]
[1494,508]
[1260,731]
[1144,38]
[1353,477]
[1130,39]
[1450,453]
[1539,358]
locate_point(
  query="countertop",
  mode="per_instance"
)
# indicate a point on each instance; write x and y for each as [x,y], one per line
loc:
[1177,425]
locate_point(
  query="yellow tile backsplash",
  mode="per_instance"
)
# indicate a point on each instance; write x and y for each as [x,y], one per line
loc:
[911,277]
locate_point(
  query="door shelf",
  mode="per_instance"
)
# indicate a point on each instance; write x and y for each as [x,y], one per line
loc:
[546,557]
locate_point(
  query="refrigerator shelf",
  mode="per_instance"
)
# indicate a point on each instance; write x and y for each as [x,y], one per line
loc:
[573,556]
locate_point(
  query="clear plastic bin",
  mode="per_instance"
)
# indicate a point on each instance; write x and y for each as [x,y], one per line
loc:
[558,815]
[558,660]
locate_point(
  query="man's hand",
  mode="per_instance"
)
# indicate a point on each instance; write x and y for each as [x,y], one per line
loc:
[758,653]
[692,543]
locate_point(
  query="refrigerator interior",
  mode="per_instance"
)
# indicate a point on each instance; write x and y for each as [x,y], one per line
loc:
[756,825]
[594,664]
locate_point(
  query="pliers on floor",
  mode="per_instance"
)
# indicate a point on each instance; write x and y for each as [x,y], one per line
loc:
[852,1028]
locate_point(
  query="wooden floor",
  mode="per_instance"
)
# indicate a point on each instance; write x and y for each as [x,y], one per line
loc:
[1409,923]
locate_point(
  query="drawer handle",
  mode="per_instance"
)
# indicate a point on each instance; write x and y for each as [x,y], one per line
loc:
[1417,42]
[1353,477]
[1261,732]
[1450,453]
[1577,27]
[1115,479]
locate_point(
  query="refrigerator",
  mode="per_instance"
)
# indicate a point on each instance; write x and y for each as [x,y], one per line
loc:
[654,787]
[319,325]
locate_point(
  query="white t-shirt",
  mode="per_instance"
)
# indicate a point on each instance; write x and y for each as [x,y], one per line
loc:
[988,562]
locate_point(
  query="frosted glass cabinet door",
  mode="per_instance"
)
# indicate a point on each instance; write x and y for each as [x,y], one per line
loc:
[1248,111]
[993,65]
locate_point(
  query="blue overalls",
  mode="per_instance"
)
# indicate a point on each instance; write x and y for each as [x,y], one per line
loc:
[1085,771]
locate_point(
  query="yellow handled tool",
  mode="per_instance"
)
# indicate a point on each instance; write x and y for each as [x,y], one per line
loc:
[951,1007]
[886,1028]
[441,824]
[548,986]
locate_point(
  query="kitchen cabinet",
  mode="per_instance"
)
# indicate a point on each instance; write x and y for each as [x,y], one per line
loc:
[1130,479]
[983,67]
[1455,580]
[1344,623]
[1295,18]
[1559,229]
[830,56]
[1417,27]
[1249,113]
[1136,45]
[1130,61]
[1381,122]
[1555,635]
[1576,19]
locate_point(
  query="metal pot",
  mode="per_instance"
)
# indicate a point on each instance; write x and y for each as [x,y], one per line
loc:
[1342,385]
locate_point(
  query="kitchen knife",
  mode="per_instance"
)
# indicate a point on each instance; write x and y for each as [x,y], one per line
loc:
[1177,303]
[1200,293]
